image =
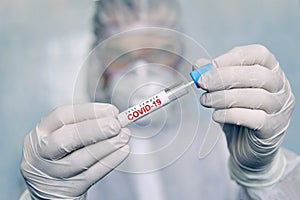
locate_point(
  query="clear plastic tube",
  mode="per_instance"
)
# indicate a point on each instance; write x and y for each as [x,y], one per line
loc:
[153,103]
[162,98]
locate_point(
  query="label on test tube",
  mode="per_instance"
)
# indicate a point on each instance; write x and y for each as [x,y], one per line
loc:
[144,108]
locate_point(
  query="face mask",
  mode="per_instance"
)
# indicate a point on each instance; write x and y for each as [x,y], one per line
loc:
[139,81]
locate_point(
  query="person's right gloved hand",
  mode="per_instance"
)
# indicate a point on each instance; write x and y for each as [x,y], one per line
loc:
[253,103]
[71,149]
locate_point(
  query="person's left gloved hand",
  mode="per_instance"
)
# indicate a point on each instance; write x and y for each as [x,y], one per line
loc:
[253,101]
[71,149]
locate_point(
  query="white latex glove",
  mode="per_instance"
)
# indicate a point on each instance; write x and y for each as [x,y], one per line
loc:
[71,149]
[254,102]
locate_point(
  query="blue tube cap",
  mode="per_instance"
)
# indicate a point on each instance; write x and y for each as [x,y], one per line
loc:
[195,74]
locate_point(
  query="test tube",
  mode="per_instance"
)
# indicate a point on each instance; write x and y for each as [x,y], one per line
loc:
[153,103]
[161,99]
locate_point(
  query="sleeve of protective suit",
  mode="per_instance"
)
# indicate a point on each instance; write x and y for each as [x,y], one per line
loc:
[286,188]
[253,103]
[71,149]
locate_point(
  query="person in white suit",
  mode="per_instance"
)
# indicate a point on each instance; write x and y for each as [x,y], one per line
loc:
[79,146]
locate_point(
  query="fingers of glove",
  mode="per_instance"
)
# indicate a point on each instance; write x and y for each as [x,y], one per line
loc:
[84,158]
[74,136]
[230,77]
[266,126]
[104,166]
[250,98]
[200,62]
[248,55]
[253,119]
[75,113]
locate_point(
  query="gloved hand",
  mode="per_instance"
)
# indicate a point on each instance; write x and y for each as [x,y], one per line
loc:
[253,102]
[71,149]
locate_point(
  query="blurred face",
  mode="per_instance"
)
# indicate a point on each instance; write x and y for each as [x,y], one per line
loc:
[149,47]
[139,64]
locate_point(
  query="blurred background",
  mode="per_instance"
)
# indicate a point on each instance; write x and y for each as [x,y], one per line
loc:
[43,44]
